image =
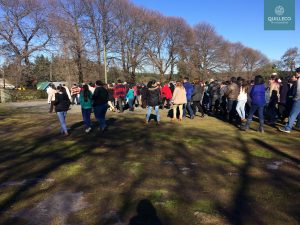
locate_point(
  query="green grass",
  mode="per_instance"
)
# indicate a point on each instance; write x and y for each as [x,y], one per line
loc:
[200,171]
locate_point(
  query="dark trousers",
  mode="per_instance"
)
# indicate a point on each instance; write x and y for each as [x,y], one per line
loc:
[51,106]
[272,112]
[231,111]
[197,105]
[168,102]
[260,115]
[100,112]
[73,99]
[86,116]
[120,103]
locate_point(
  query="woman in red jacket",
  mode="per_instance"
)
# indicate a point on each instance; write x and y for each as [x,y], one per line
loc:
[166,95]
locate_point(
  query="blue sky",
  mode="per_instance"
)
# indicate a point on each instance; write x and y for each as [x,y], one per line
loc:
[235,20]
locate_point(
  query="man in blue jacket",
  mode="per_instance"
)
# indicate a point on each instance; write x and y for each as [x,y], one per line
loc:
[189,91]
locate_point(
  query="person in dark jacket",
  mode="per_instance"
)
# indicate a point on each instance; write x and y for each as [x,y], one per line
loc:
[172,87]
[189,90]
[272,108]
[144,96]
[153,99]
[62,104]
[232,94]
[257,95]
[214,95]
[283,99]
[100,99]
[197,96]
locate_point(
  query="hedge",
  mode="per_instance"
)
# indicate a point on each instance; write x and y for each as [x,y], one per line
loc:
[21,95]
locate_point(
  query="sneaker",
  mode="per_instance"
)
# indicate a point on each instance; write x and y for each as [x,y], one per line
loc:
[88,130]
[284,130]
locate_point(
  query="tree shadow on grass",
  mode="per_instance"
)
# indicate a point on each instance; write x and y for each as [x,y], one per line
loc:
[276,150]
[128,162]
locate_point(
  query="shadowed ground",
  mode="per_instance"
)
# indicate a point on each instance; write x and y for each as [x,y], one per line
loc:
[200,171]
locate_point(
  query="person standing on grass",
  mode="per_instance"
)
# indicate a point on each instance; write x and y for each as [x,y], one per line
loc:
[86,106]
[100,99]
[166,95]
[258,102]
[153,99]
[189,90]
[74,94]
[130,98]
[120,93]
[179,99]
[62,104]
[197,96]
[144,96]
[295,112]
[232,94]
[242,100]
[51,91]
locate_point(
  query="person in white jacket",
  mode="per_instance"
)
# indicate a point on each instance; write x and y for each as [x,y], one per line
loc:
[51,91]
[242,100]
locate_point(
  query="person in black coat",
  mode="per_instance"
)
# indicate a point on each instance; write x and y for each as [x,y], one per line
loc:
[144,96]
[197,96]
[62,105]
[100,100]
[153,99]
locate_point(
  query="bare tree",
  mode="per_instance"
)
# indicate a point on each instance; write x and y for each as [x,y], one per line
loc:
[178,38]
[24,29]
[132,35]
[232,58]
[253,60]
[290,58]
[208,46]
[101,26]
[68,20]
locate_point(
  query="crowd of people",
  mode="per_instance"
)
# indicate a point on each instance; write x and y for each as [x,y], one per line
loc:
[235,101]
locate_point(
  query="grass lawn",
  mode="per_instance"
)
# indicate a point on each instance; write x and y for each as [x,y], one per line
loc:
[200,171]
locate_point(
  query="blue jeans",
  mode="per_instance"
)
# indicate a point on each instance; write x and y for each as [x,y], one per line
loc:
[130,103]
[62,120]
[260,115]
[188,107]
[86,116]
[100,112]
[156,112]
[240,108]
[294,114]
